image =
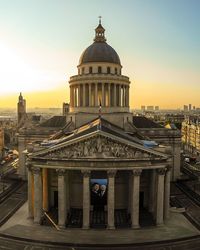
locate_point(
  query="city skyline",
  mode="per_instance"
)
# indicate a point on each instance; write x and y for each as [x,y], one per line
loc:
[158,43]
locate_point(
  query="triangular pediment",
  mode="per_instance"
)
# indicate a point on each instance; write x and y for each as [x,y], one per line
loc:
[99,145]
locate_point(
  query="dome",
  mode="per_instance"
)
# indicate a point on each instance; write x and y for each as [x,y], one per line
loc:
[99,52]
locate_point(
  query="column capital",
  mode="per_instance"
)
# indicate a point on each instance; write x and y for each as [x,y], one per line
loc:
[111,173]
[161,171]
[29,165]
[36,170]
[136,172]
[168,168]
[86,173]
[60,171]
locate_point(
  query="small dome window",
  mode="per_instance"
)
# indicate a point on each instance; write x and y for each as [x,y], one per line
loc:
[90,70]
[99,70]
[108,70]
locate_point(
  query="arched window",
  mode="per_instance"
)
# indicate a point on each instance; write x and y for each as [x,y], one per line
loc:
[108,70]
[90,70]
[99,70]
[116,71]
[83,70]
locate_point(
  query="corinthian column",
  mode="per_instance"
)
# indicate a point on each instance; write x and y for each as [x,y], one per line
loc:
[70,95]
[128,88]
[62,208]
[111,199]
[96,94]
[109,95]
[30,191]
[86,199]
[102,94]
[119,95]
[167,192]
[37,195]
[79,95]
[135,198]
[115,97]
[160,196]
[45,189]
[84,102]
[90,94]
[75,96]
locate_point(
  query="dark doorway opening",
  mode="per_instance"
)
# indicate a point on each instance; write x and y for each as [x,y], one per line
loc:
[98,194]
[98,197]
[141,199]
[55,194]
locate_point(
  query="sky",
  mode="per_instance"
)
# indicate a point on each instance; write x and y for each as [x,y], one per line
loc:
[158,42]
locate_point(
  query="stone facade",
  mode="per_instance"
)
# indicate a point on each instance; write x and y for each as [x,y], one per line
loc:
[100,142]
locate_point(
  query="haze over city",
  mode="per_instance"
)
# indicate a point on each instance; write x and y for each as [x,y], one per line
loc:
[158,43]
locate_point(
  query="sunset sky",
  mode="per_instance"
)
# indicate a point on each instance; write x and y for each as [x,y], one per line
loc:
[158,42]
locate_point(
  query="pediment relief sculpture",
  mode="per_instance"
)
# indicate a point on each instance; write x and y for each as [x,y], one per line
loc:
[98,147]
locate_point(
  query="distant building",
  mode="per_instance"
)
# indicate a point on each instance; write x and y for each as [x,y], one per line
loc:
[190,107]
[143,108]
[185,108]
[156,108]
[21,110]
[65,110]
[191,135]
[150,108]
[1,142]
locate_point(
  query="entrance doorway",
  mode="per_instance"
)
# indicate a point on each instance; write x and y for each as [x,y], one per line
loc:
[98,195]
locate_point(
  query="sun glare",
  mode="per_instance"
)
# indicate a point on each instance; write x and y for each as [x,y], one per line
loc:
[17,74]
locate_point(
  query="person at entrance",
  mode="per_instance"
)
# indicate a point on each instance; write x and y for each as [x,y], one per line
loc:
[95,196]
[103,196]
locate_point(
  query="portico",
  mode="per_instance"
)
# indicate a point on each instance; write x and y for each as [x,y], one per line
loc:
[54,170]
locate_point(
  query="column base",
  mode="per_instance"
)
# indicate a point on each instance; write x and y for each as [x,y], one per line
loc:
[160,224]
[62,226]
[135,226]
[110,227]
[85,227]
[37,223]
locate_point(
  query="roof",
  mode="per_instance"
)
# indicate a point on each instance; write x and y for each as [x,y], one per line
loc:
[55,121]
[96,124]
[143,122]
[92,131]
[99,52]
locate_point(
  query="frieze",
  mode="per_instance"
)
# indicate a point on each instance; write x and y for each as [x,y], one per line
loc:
[98,147]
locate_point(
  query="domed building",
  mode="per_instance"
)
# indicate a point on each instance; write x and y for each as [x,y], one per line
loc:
[99,171]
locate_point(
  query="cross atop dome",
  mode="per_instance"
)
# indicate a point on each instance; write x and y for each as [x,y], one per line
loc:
[99,36]
[100,19]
